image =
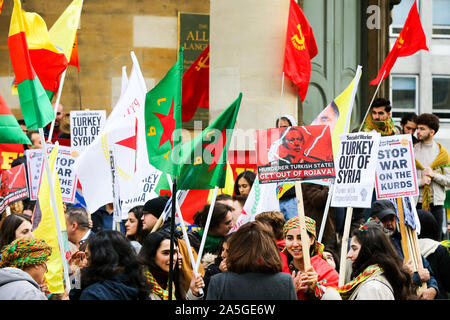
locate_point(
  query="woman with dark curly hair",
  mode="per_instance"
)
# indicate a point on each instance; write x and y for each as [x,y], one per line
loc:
[112,272]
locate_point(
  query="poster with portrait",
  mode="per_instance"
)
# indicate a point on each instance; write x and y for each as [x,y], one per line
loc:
[13,186]
[294,153]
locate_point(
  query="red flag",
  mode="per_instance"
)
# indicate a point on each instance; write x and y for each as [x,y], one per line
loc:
[410,40]
[74,55]
[196,86]
[300,49]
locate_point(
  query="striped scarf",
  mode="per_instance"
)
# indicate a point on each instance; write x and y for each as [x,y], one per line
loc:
[157,289]
[442,161]
[347,289]
[385,128]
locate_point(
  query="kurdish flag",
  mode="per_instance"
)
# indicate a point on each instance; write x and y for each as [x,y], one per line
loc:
[34,102]
[204,158]
[10,131]
[47,230]
[163,119]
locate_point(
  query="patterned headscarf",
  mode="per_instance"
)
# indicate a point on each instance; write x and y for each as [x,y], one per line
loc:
[25,252]
[294,223]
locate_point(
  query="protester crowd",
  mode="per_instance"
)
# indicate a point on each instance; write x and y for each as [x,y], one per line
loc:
[263,259]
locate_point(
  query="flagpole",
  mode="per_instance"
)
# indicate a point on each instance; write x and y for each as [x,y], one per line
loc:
[325,213]
[373,98]
[346,130]
[281,96]
[205,231]
[58,97]
[186,238]
[172,231]
[55,209]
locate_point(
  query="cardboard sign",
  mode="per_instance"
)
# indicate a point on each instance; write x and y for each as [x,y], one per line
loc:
[84,128]
[13,186]
[355,170]
[64,168]
[294,153]
[396,175]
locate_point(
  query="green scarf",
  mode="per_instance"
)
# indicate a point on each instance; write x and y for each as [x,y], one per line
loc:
[211,242]
[347,289]
[385,128]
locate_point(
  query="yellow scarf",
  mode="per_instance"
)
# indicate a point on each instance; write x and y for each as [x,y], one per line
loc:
[347,289]
[385,128]
[442,161]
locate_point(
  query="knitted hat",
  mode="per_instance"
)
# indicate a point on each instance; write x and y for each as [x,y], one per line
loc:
[25,252]
[295,223]
[155,206]
[382,208]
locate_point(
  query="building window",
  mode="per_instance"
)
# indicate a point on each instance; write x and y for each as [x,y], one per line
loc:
[441,18]
[441,96]
[399,15]
[404,95]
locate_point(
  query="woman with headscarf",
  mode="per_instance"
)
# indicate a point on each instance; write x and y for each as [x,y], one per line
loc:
[23,265]
[310,283]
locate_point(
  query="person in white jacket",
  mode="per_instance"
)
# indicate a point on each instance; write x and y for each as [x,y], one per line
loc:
[22,269]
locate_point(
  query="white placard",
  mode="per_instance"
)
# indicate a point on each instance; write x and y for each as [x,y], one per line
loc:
[85,126]
[64,167]
[355,170]
[396,175]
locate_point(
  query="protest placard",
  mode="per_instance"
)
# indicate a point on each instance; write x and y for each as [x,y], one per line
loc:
[396,170]
[85,127]
[294,153]
[144,192]
[355,170]
[64,168]
[13,186]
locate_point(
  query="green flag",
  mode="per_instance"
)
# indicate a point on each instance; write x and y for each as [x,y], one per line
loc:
[205,157]
[163,118]
[10,130]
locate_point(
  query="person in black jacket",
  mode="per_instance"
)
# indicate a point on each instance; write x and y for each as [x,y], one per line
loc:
[112,272]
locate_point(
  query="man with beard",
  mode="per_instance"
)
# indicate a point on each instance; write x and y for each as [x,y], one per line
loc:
[433,168]
[384,211]
[379,118]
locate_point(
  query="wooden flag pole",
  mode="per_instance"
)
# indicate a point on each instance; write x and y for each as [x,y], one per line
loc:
[345,236]
[401,222]
[158,223]
[303,232]
[419,255]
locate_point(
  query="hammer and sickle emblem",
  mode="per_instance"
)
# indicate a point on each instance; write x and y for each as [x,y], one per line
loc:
[298,42]
[202,63]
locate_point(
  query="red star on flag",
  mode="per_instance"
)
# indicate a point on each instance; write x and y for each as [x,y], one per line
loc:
[131,142]
[168,124]
[216,149]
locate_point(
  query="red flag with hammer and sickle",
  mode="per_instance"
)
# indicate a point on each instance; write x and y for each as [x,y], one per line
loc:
[300,49]
[196,86]
[410,40]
